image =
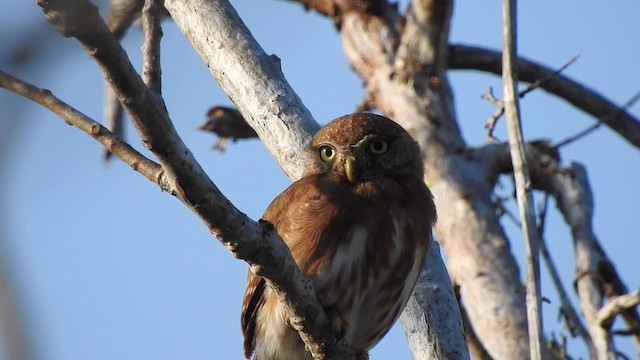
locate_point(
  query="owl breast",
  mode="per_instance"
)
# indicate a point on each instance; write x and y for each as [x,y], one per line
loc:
[363,246]
[372,275]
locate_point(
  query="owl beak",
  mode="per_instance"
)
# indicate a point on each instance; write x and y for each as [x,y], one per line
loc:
[349,168]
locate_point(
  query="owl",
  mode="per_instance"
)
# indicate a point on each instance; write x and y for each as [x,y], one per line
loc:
[358,224]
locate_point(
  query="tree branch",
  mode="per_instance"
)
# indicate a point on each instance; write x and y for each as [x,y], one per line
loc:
[250,77]
[426,28]
[571,317]
[583,98]
[427,337]
[521,175]
[615,306]
[258,244]
[151,70]
[138,162]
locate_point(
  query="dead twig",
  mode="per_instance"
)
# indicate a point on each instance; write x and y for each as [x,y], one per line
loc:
[595,126]
[493,119]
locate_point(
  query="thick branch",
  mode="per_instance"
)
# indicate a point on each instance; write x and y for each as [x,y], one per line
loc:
[426,29]
[430,307]
[580,96]
[251,78]
[258,244]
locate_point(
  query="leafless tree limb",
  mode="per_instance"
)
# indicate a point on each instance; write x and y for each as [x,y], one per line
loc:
[240,66]
[615,306]
[595,126]
[71,116]
[151,70]
[476,348]
[521,174]
[583,98]
[490,124]
[426,339]
[122,14]
[573,196]
[572,319]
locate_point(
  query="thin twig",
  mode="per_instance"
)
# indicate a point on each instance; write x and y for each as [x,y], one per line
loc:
[577,94]
[503,210]
[595,126]
[579,135]
[71,116]
[538,83]
[490,124]
[521,174]
[572,319]
[493,119]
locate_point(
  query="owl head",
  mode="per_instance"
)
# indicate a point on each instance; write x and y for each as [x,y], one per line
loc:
[361,147]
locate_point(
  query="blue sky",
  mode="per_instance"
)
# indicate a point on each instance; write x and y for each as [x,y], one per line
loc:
[109,267]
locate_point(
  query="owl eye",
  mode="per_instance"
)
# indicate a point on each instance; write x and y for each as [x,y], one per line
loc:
[327,153]
[379,146]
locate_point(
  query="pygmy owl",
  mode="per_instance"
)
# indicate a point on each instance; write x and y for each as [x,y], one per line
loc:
[358,224]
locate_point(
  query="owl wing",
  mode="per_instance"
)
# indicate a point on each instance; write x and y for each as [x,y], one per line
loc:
[251,304]
[254,297]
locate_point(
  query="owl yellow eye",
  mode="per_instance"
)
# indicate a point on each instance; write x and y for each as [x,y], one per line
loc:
[379,146]
[327,153]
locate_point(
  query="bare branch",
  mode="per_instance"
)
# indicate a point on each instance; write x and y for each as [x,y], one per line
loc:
[595,126]
[536,84]
[615,306]
[490,124]
[425,342]
[110,141]
[522,180]
[426,28]
[240,66]
[122,14]
[573,195]
[579,135]
[151,70]
[113,116]
[585,99]
[572,319]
